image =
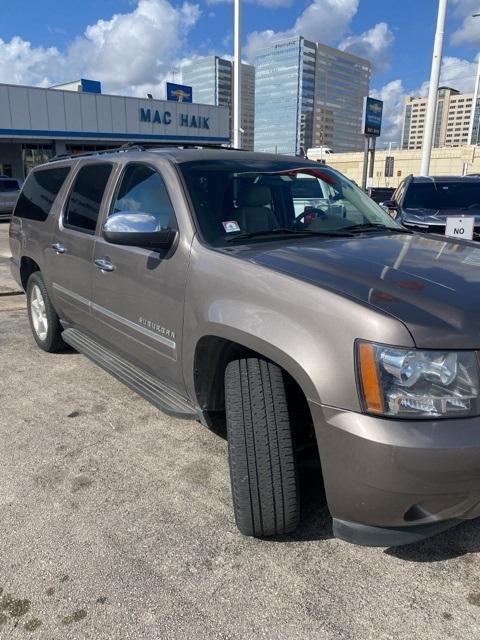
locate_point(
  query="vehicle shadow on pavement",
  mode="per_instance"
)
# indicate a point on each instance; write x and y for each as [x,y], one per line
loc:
[454,543]
[315,519]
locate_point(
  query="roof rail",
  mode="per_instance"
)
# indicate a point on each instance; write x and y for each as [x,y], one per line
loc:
[144,146]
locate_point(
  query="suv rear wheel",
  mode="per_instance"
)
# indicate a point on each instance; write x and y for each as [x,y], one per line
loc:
[44,321]
[261,454]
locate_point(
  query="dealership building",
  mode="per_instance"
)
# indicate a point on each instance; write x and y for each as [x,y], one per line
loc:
[37,124]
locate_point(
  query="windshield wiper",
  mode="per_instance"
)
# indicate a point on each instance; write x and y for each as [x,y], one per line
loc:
[287,232]
[371,226]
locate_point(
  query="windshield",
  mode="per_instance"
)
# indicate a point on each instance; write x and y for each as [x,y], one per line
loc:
[8,185]
[269,200]
[464,194]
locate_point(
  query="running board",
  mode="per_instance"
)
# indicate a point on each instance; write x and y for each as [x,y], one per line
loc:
[143,383]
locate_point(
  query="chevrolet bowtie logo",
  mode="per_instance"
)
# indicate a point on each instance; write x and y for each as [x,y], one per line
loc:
[180,95]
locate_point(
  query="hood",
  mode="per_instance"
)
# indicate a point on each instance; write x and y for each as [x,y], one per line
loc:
[431,218]
[431,285]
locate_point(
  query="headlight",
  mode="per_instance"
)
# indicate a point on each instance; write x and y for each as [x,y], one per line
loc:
[409,383]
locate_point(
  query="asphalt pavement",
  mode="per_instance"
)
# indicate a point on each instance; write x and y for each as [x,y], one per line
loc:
[116,524]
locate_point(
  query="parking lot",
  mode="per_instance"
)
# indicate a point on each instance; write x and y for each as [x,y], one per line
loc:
[116,523]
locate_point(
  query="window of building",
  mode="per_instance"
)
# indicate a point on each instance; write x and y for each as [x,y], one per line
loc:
[35,154]
[84,202]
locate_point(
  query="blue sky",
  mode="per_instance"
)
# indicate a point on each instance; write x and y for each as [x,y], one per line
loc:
[132,45]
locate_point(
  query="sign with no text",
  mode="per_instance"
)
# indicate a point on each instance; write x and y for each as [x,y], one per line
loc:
[461,227]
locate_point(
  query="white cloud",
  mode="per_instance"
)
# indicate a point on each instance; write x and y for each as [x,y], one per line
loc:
[322,21]
[264,3]
[372,45]
[135,48]
[459,74]
[129,53]
[469,32]
[392,95]
[326,20]
[24,64]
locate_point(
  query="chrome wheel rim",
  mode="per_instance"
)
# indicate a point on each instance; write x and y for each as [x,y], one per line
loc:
[38,312]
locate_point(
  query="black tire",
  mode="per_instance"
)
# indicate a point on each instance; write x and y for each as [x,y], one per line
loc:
[52,340]
[260,445]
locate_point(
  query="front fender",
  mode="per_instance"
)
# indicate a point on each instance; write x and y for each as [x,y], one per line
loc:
[253,342]
[307,330]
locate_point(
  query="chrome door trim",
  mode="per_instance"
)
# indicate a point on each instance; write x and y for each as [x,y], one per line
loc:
[153,335]
[136,327]
[72,295]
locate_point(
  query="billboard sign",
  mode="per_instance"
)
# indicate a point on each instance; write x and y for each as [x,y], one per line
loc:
[372,116]
[179,92]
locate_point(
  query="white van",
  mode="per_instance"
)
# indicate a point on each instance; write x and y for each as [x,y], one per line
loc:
[318,153]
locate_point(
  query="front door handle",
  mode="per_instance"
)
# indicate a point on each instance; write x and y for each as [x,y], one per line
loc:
[104,265]
[58,247]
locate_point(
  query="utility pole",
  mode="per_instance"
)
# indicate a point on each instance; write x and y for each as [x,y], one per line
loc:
[237,76]
[433,89]
[366,153]
[476,97]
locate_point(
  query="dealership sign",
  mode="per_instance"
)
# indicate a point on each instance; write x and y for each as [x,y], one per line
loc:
[179,92]
[372,116]
[165,117]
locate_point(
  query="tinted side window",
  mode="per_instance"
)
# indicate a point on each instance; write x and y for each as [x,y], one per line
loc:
[39,193]
[143,189]
[86,196]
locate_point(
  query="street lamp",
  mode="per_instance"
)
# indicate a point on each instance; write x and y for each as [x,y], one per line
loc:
[237,76]
[433,89]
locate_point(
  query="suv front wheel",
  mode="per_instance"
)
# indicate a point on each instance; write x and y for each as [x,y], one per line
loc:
[44,321]
[260,445]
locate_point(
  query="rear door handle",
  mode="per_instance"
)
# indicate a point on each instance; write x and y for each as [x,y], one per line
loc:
[104,265]
[58,247]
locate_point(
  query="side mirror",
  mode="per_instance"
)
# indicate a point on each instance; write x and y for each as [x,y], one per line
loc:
[136,229]
[390,204]
[391,207]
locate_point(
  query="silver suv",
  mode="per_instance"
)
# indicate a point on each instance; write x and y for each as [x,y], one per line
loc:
[9,192]
[269,293]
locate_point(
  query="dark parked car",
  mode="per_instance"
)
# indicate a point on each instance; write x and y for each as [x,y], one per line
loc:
[424,203]
[381,194]
[9,192]
[193,276]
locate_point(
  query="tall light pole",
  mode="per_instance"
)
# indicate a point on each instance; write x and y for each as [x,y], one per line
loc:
[476,97]
[237,76]
[433,89]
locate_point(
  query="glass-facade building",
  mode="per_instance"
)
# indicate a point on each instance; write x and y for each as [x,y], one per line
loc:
[211,79]
[284,96]
[308,95]
[342,80]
